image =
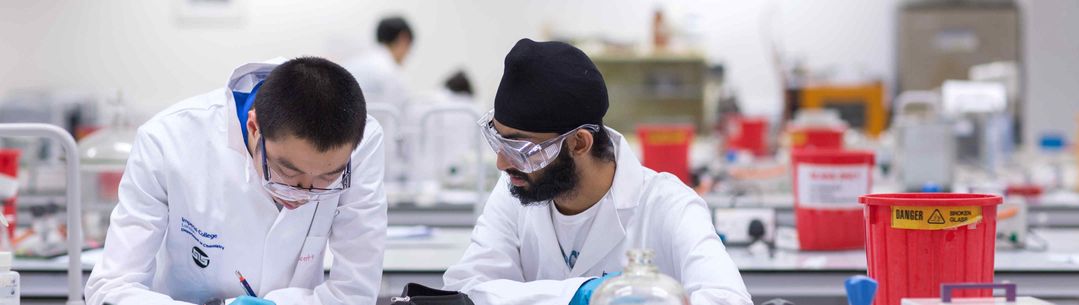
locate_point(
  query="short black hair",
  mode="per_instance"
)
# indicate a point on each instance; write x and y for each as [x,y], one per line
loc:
[313,99]
[459,83]
[391,28]
[602,148]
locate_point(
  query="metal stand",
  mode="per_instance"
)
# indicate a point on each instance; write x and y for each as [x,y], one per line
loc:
[481,176]
[74,203]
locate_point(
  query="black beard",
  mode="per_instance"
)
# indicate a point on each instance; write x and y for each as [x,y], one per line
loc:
[556,179]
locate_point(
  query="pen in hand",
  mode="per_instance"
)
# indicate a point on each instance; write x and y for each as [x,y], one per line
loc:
[247,286]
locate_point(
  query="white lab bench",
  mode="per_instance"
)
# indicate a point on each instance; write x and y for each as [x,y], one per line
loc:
[805,277]
[1053,213]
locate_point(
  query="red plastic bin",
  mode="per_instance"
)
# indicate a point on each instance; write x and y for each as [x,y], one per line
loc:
[666,148]
[816,137]
[9,166]
[827,184]
[9,162]
[917,241]
[748,134]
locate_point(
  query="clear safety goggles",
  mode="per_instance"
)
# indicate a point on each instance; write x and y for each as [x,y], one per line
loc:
[525,156]
[292,193]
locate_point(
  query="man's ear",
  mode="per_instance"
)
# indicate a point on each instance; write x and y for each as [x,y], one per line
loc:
[581,142]
[252,122]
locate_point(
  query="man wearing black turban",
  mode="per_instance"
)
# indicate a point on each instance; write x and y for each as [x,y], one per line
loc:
[574,198]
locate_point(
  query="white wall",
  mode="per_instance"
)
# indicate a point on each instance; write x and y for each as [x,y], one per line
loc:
[139,47]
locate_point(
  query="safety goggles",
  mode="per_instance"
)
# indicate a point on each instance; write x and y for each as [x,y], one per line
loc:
[292,193]
[525,156]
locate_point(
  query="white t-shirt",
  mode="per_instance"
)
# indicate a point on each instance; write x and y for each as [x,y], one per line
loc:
[572,230]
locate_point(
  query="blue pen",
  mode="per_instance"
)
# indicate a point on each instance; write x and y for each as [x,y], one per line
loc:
[247,286]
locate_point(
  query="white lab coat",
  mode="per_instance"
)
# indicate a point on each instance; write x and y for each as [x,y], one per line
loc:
[380,77]
[514,257]
[192,211]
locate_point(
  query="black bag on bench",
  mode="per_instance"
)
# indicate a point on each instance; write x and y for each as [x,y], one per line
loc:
[416,294]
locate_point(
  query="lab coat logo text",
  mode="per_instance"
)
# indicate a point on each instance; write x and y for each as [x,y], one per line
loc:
[306,258]
[198,235]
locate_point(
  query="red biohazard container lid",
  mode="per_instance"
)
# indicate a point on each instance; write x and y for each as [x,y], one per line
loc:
[931,199]
[831,156]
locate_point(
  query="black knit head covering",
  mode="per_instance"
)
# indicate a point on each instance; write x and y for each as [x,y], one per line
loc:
[549,87]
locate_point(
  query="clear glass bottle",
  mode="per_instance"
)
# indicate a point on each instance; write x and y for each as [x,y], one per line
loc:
[640,284]
[103,155]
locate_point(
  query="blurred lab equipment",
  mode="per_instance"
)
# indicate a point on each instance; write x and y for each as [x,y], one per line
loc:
[1007,74]
[1012,222]
[1048,165]
[46,235]
[861,105]
[103,154]
[942,40]
[75,112]
[640,283]
[934,237]
[9,280]
[658,88]
[389,117]
[71,196]
[926,152]
[983,128]
[451,146]
[745,225]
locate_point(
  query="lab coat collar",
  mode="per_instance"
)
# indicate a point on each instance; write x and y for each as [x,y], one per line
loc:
[382,52]
[628,175]
[244,78]
[608,229]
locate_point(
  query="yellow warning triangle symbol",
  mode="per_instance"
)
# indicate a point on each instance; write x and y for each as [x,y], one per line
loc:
[936,218]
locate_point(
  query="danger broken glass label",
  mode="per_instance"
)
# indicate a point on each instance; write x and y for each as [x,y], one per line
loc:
[934,218]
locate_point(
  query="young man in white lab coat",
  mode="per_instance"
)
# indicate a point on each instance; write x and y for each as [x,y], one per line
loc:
[252,178]
[379,72]
[574,197]
[379,69]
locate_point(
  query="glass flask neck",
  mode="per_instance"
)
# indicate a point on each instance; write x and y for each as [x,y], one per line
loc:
[640,262]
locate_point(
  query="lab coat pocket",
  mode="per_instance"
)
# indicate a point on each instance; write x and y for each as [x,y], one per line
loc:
[309,268]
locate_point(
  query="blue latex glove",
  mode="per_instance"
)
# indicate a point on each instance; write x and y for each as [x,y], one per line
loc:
[249,300]
[585,292]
